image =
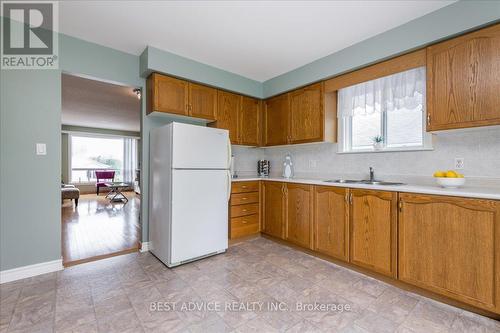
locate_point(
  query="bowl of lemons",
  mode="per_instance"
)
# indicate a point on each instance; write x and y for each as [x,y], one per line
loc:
[449,179]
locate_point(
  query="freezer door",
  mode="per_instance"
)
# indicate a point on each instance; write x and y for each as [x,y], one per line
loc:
[199,213]
[199,147]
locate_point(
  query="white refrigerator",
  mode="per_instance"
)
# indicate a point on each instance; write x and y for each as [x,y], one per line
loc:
[189,189]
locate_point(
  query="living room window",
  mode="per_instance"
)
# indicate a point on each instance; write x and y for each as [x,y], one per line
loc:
[386,114]
[93,152]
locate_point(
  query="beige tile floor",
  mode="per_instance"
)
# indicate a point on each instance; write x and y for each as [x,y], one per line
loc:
[116,295]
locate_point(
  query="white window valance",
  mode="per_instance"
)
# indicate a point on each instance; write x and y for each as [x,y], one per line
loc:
[404,90]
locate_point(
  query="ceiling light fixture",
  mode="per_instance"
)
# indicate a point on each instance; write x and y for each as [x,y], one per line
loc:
[137,91]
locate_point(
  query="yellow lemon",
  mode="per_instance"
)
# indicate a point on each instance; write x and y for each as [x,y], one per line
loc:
[459,175]
[439,174]
[451,174]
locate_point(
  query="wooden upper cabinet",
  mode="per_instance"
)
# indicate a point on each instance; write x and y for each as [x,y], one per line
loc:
[228,110]
[175,96]
[240,115]
[451,246]
[306,114]
[273,208]
[299,214]
[373,223]
[167,94]
[463,81]
[203,101]
[331,221]
[250,121]
[303,115]
[276,120]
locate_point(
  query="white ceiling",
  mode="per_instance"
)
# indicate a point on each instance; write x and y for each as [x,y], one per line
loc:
[96,104]
[256,39]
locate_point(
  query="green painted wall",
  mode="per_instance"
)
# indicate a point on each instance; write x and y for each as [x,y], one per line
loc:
[155,60]
[445,22]
[31,113]
[30,221]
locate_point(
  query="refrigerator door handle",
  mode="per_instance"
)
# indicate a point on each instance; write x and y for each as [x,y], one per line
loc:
[229,153]
[229,181]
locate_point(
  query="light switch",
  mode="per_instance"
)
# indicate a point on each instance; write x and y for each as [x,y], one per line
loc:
[41,149]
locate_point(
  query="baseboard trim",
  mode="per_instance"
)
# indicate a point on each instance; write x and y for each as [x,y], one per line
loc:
[144,247]
[24,272]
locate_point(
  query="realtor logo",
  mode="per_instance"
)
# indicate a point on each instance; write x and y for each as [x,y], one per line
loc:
[29,35]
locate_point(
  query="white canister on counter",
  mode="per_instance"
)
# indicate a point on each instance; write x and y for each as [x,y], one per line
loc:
[288,166]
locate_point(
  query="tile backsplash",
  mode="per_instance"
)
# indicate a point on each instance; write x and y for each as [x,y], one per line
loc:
[480,149]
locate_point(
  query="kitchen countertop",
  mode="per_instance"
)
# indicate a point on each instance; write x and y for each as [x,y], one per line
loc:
[472,191]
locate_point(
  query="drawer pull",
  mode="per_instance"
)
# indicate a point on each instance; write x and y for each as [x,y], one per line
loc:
[244,222]
[243,186]
[244,210]
[243,198]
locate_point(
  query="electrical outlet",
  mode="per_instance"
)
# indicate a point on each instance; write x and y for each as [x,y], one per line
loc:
[459,163]
[313,164]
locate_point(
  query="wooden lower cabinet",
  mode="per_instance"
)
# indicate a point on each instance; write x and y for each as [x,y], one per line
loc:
[299,214]
[331,221]
[451,246]
[244,209]
[373,230]
[273,209]
[244,226]
[446,245]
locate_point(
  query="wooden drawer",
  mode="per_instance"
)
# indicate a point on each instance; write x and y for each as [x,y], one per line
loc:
[244,187]
[243,210]
[244,198]
[244,226]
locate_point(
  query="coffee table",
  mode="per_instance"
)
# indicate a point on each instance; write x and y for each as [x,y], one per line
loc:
[115,194]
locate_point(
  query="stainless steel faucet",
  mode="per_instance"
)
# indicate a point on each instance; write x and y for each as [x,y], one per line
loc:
[372,174]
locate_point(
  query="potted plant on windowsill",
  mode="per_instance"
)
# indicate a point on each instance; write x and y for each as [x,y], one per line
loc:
[378,142]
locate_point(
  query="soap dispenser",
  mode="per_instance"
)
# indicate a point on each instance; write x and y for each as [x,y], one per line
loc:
[288,166]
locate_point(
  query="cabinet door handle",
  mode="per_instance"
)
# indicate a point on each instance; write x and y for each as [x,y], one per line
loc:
[400,205]
[350,198]
[428,119]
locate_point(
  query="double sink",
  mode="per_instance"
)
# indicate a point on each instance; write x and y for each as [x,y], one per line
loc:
[371,181]
[364,182]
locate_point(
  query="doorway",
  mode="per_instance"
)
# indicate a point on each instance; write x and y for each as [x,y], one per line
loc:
[100,180]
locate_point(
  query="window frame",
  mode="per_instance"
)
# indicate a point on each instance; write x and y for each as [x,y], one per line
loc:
[344,128]
[90,135]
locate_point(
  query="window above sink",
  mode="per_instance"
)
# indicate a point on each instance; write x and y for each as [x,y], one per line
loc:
[385,114]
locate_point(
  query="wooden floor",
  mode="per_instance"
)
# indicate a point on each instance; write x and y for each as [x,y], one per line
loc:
[98,229]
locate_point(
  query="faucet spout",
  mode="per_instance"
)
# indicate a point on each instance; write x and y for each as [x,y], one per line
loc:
[372,174]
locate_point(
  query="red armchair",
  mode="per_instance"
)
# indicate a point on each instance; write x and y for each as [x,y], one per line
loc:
[103,177]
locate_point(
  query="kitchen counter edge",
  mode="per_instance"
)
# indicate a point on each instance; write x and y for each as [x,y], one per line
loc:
[466,192]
